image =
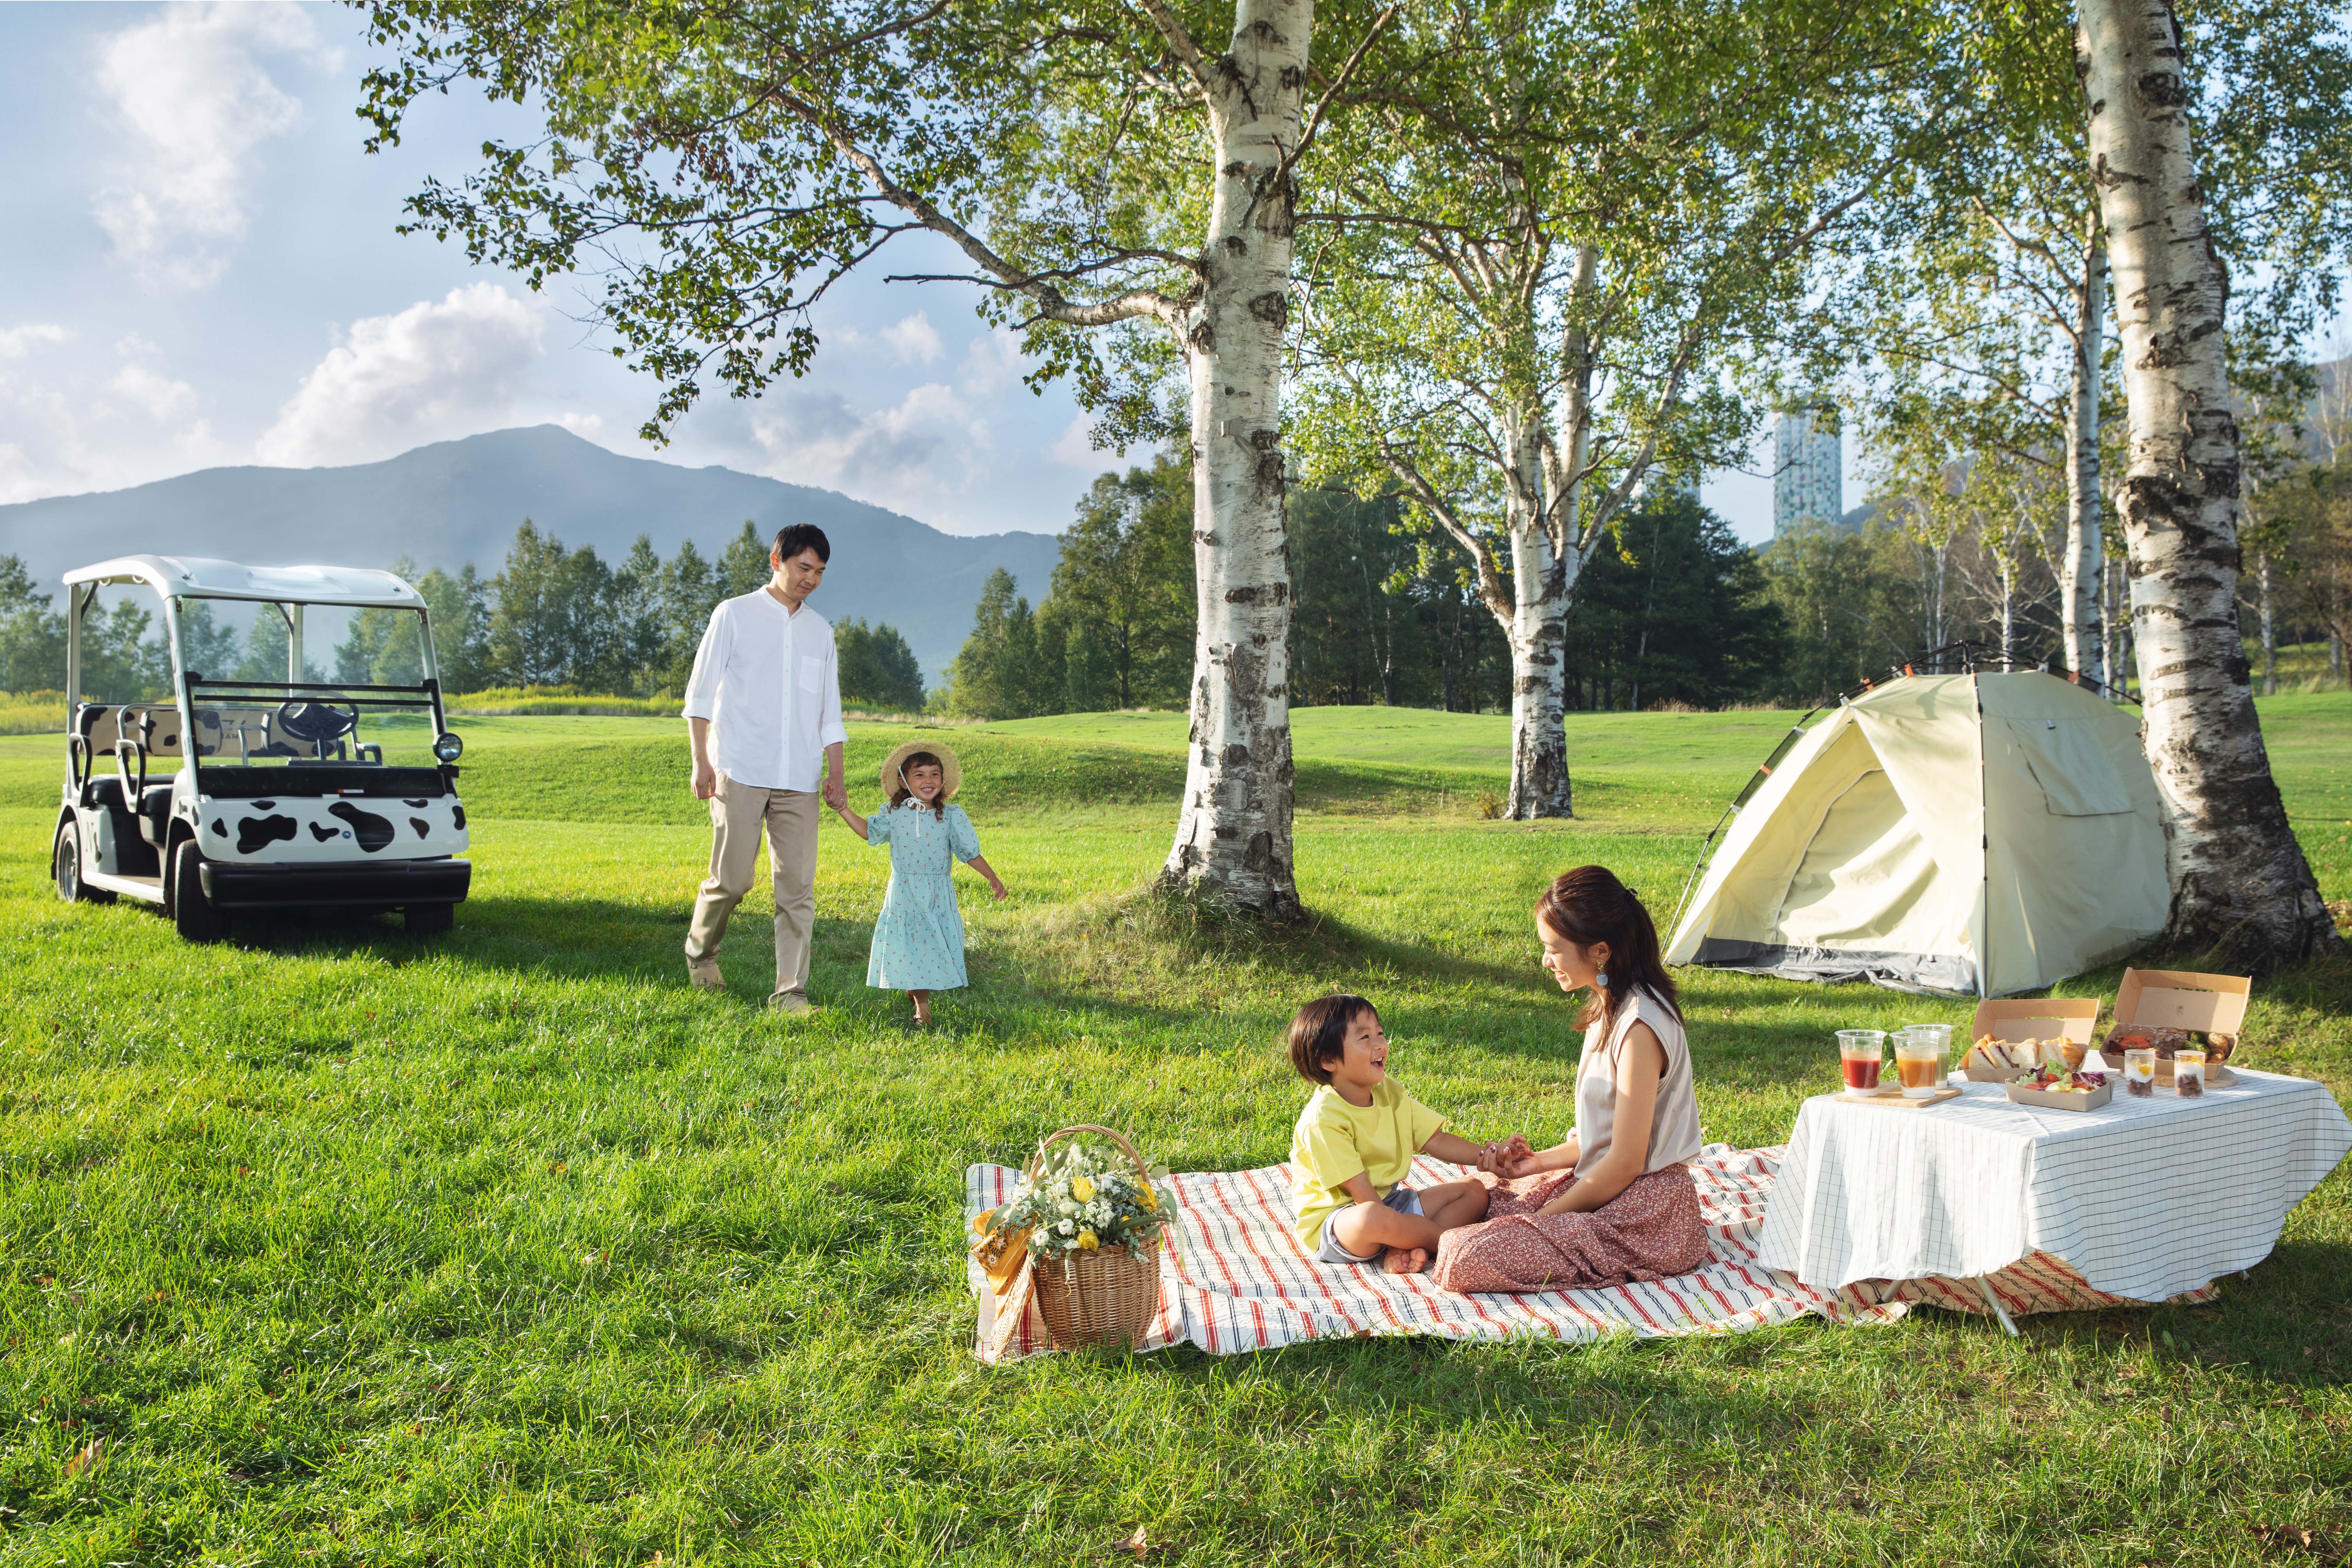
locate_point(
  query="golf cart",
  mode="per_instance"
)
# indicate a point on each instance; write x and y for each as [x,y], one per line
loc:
[270,794]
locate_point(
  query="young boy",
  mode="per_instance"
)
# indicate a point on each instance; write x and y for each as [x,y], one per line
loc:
[1354,1143]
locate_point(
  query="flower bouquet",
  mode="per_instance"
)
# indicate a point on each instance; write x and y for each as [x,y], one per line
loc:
[1085,1228]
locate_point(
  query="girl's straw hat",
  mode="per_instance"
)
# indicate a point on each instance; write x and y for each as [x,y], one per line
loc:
[951,771]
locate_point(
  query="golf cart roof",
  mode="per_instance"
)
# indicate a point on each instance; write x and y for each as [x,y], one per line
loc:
[189,577]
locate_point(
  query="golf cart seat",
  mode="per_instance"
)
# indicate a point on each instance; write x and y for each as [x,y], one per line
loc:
[155,813]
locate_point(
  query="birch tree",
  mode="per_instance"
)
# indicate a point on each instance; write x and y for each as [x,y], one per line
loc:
[1536,268]
[2240,882]
[719,167]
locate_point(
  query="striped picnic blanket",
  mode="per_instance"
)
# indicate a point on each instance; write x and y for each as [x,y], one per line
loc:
[1234,1279]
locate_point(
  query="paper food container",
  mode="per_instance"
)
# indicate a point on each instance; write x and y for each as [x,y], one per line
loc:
[2051,1018]
[2179,999]
[2020,1095]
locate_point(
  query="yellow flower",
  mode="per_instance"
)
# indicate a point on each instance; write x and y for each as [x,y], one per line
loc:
[1086,1242]
[979,1221]
[1081,1188]
[1149,1201]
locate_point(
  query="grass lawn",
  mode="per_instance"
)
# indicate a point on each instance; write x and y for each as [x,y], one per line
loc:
[507,1249]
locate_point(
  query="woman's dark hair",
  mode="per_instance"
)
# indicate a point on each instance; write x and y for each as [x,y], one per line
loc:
[796,537]
[900,795]
[1589,905]
[1320,1032]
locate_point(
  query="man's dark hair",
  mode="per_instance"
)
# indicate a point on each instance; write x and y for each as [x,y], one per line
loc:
[799,536]
[1319,1033]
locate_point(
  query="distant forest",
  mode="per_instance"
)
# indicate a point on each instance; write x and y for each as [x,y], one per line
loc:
[1672,612]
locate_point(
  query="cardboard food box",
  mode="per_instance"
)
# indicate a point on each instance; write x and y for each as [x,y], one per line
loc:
[2042,1097]
[2181,999]
[2074,1021]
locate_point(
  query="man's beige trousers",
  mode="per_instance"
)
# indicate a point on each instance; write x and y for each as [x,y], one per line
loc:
[737,812]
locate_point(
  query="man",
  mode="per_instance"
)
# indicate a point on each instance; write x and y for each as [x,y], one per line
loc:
[766,676]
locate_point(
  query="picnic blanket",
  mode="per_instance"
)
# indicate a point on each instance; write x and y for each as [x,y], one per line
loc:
[1233,1277]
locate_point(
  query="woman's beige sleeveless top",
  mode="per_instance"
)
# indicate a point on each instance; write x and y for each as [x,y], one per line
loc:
[1674,1135]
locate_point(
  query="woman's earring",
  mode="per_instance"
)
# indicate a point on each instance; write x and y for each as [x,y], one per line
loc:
[1602,979]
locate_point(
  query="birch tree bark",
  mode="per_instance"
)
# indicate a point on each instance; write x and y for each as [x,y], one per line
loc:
[2241,886]
[2078,575]
[1234,834]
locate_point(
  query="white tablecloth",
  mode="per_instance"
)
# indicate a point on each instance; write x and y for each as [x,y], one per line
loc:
[2145,1198]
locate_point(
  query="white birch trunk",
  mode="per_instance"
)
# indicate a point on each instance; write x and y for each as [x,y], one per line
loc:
[1538,637]
[2270,624]
[2079,570]
[2240,888]
[2008,611]
[2113,626]
[1232,843]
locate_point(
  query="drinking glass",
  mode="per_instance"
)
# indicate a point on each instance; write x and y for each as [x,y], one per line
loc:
[2139,1073]
[1919,1059]
[1861,1056]
[2189,1074]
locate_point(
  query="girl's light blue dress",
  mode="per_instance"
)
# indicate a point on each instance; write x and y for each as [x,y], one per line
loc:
[919,936]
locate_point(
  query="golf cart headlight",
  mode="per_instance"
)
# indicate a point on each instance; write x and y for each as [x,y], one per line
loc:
[448,747]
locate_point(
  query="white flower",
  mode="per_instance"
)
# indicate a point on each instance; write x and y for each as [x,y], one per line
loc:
[1065,1229]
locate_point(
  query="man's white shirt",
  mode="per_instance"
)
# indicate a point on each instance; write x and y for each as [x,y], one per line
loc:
[770,683]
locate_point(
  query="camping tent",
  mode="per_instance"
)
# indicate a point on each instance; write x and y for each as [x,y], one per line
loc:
[1968,834]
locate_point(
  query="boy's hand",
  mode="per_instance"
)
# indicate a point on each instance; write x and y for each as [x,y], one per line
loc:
[1514,1155]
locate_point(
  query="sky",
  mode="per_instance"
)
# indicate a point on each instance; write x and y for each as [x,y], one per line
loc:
[199,269]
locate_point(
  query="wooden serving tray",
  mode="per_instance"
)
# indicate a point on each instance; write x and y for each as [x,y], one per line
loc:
[1902,1101]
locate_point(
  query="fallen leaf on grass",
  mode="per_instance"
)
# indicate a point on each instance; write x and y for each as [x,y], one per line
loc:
[1138,1543]
[89,1459]
[2290,1540]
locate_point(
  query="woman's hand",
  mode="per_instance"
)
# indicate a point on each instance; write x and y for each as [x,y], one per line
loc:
[1511,1157]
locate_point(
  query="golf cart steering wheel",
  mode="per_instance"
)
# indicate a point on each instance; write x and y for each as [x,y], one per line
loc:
[318,723]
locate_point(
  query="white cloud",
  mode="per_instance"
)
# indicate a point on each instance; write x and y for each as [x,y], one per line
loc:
[914,340]
[190,101]
[583,426]
[992,363]
[1075,447]
[77,427]
[432,372]
[924,451]
[16,343]
[160,397]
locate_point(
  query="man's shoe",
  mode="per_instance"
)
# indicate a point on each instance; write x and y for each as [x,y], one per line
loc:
[704,973]
[790,1002]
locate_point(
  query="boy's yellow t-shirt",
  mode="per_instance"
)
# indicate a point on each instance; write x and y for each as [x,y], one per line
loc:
[1335,1139]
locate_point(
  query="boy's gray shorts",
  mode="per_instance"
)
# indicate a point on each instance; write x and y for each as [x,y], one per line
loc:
[1401,1198]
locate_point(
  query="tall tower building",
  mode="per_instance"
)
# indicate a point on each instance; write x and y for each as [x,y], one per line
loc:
[1808,467]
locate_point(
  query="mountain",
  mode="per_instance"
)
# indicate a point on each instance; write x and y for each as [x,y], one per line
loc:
[456,501]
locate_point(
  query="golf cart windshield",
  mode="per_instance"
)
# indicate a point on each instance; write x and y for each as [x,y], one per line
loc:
[265,707]
[256,716]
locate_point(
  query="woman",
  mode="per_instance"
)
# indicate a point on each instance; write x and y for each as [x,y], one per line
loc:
[1615,1202]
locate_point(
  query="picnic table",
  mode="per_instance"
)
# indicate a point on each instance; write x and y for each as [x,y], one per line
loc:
[2144,1199]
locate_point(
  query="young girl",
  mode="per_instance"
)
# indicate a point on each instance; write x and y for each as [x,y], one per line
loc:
[1615,1202]
[919,936]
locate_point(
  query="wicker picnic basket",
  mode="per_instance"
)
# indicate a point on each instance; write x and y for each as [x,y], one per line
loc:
[1106,1296]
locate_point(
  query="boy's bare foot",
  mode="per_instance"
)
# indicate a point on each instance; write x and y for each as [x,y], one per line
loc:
[1405,1260]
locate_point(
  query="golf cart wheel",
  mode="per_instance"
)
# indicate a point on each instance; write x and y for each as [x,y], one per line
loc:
[428,920]
[64,865]
[192,912]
